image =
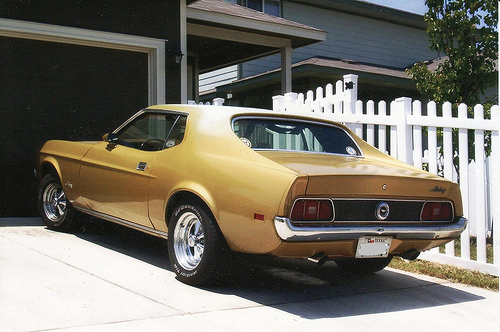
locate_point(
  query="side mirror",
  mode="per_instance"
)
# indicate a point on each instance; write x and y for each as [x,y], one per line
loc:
[111,138]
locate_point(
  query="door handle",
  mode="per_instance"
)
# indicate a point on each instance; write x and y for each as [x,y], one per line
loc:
[141,166]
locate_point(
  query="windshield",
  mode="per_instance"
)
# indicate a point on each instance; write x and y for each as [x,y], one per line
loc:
[294,135]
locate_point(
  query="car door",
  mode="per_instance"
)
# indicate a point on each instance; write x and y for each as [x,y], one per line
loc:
[114,175]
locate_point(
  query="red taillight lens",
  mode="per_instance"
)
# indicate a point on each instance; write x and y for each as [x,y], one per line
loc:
[298,210]
[437,211]
[311,210]
[325,211]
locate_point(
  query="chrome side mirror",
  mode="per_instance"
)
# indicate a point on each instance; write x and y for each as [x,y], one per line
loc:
[110,137]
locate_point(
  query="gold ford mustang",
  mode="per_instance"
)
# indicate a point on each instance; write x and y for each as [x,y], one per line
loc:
[218,179]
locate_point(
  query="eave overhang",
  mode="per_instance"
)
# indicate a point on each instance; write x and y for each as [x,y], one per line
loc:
[222,33]
[325,68]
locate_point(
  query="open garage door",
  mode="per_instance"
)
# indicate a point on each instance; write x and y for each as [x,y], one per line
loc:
[51,90]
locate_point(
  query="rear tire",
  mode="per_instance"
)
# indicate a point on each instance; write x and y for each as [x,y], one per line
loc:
[195,245]
[54,208]
[363,265]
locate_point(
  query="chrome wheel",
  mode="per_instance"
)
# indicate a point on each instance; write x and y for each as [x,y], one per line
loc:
[189,241]
[196,247]
[54,202]
[54,207]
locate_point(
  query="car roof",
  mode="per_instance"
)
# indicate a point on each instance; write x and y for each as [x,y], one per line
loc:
[229,112]
[199,109]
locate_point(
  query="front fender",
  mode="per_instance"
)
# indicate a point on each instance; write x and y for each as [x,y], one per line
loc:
[64,157]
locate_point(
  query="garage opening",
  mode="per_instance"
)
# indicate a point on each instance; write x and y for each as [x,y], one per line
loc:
[52,90]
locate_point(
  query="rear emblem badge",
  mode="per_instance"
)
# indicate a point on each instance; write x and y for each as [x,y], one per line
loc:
[246,141]
[382,211]
[351,151]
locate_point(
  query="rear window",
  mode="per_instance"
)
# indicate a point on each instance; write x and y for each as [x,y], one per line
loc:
[294,135]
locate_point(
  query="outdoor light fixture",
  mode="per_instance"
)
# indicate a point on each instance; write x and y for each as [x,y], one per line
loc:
[178,56]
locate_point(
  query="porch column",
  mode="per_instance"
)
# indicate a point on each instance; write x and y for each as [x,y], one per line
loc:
[183,47]
[286,69]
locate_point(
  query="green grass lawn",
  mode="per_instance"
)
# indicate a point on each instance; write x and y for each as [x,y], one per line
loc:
[447,272]
[451,273]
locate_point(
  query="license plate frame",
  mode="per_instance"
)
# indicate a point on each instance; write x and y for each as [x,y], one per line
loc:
[373,246]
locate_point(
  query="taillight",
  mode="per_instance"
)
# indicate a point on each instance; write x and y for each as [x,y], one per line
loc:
[437,211]
[312,210]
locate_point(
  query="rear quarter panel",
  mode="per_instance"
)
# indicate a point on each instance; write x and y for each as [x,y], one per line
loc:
[233,180]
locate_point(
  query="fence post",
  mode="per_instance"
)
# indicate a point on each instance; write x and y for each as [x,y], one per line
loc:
[218,101]
[402,108]
[339,90]
[370,128]
[382,139]
[317,101]
[351,97]
[432,138]
[290,99]
[327,104]
[463,150]
[393,142]
[417,136]
[479,193]
[495,160]
[278,103]
[351,90]
[448,160]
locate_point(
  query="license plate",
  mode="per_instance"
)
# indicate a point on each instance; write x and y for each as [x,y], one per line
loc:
[373,246]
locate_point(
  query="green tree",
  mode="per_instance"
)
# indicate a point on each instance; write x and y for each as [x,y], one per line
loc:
[465,33]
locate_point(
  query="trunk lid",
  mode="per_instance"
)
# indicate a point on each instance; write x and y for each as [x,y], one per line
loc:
[355,177]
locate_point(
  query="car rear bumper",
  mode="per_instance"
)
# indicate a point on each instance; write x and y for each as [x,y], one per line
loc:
[288,232]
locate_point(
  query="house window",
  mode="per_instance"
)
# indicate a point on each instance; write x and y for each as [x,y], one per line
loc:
[271,7]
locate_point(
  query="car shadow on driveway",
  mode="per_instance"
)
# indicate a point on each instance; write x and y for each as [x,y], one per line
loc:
[314,292]
[295,286]
[147,248]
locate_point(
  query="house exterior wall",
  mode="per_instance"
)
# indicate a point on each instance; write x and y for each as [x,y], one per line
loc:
[351,37]
[147,18]
[211,80]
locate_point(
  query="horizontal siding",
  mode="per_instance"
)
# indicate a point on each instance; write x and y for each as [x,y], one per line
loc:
[363,39]
[255,67]
[351,37]
[211,80]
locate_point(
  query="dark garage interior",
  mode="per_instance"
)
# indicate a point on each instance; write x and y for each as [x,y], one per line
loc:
[59,91]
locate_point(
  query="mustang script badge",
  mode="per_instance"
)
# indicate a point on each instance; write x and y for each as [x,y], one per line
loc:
[438,189]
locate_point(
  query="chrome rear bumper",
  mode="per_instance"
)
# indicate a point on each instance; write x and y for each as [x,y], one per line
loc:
[289,232]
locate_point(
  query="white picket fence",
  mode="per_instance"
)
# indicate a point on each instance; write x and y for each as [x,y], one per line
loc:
[215,102]
[402,130]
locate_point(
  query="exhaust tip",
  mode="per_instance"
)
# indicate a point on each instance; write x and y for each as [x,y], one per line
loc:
[411,255]
[320,258]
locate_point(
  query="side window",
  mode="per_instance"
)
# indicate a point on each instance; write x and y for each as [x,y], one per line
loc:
[153,132]
[176,134]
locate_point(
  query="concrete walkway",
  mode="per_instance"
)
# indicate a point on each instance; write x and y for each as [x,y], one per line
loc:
[108,278]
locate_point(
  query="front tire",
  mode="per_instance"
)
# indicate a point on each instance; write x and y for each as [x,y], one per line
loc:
[54,208]
[195,245]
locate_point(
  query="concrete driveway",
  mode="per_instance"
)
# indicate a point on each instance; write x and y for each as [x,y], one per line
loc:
[109,278]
